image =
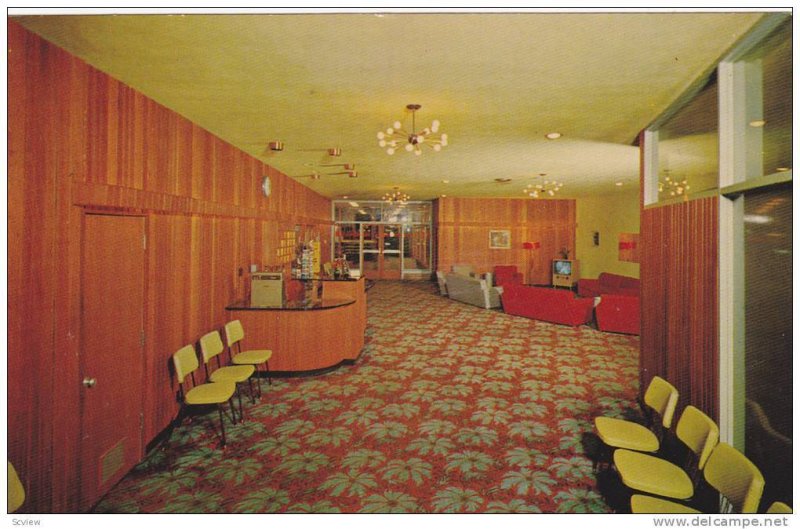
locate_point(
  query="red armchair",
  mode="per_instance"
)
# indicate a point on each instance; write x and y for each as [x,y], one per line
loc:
[617,313]
[507,275]
[608,284]
[547,304]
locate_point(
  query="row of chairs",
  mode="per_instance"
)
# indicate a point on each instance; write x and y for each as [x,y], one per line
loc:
[662,486]
[223,380]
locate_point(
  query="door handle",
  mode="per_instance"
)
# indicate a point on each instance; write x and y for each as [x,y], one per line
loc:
[89,382]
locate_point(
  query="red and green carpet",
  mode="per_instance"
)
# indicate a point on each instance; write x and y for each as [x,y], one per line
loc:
[450,408]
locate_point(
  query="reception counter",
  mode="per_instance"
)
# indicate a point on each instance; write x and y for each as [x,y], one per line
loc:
[308,336]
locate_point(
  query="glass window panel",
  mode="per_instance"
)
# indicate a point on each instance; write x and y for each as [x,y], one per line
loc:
[768,81]
[348,243]
[400,236]
[357,212]
[391,237]
[768,338]
[688,146]
[379,211]
[371,237]
[407,213]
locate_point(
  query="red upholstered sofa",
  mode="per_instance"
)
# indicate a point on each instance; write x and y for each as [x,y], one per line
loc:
[617,313]
[608,284]
[506,275]
[547,304]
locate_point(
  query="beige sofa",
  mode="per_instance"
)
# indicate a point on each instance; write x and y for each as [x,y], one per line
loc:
[472,290]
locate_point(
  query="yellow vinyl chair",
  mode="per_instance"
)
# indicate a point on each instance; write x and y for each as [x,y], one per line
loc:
[778,507]
[211,347]
[651,474]
[738,481]
[660,401]
[186,363]
[234,334]
[16,491]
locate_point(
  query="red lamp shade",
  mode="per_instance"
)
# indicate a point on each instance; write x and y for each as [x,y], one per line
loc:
[531,245]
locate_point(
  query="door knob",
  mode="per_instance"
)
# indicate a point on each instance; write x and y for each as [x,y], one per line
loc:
[89,382]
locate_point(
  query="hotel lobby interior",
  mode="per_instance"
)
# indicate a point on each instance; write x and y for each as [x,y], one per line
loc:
[481,261]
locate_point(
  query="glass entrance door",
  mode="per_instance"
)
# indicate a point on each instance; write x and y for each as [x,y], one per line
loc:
[381,251]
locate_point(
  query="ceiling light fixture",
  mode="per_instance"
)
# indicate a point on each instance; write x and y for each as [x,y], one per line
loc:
[350,173]
[315,175]
[396,197]
[397,135]
[673,187]
[552,135]
[276,146]
[345,166]
[544,188]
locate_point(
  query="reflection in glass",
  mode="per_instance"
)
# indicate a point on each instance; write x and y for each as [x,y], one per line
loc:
[384,241]
[688,152]
[348,243]
[391,237]
[768,338]
[768,73]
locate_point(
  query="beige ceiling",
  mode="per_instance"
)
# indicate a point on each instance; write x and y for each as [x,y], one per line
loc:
[496,82]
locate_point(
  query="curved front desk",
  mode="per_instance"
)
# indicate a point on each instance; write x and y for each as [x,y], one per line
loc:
[308,337]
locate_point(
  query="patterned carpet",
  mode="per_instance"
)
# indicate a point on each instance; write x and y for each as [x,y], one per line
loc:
[450,408]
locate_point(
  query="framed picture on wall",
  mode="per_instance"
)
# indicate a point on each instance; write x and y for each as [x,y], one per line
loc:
[499,239]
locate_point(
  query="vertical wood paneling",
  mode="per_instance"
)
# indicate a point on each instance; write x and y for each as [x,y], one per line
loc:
[679,338]
[462,233]
[80,140]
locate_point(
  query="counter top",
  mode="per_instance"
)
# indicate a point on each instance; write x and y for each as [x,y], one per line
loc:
[323,304]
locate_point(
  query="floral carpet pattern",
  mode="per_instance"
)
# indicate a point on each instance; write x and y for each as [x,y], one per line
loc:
[450,408]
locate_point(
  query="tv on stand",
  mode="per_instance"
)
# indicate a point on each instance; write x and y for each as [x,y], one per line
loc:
[566,272]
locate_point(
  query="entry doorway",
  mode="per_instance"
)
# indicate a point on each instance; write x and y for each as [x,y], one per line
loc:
[112,350]
[381,251]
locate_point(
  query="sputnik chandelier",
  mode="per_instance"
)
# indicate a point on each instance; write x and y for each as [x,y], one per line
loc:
[396,135]
[545,188]
[396,197]
[673,187]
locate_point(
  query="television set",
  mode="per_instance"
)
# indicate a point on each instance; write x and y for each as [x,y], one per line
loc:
[562,267]
[565,272]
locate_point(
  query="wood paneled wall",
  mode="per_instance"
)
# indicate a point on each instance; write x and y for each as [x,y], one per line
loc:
[79,141]
[462,233]
[679,289]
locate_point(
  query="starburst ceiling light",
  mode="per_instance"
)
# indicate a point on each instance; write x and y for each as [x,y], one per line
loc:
[396,135]
[673,187]
[543,188]
[396,197]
